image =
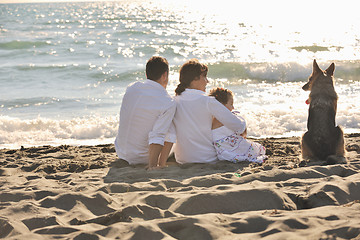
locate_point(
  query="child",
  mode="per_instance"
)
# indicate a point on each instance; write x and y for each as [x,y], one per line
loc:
[233,146]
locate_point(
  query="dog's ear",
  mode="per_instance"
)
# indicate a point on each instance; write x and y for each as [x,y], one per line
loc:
[330,70]
[316,68]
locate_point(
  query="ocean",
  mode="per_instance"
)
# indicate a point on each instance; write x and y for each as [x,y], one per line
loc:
[64,66]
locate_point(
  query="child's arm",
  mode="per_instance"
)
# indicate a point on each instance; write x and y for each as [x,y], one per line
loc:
[224,115]
[216,124]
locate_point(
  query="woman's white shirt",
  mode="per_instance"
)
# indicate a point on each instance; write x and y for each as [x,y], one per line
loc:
[192,124]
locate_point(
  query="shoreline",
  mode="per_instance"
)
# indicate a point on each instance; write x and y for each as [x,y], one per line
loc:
[276,147]
[86,192]
[109,141]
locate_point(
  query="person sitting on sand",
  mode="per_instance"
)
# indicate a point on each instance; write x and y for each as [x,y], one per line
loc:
[194,113]
[146,114]
[232,145]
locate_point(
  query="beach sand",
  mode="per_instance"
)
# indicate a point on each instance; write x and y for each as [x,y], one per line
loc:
[85,192]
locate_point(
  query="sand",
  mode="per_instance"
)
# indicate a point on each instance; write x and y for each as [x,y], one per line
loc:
[85,192]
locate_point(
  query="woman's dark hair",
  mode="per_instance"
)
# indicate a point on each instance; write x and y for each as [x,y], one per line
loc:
[221,94]
[155,67]
[191,70]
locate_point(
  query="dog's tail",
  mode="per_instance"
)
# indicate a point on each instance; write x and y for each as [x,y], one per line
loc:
[333,159]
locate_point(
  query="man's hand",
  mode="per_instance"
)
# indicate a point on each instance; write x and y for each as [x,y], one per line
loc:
[244,134]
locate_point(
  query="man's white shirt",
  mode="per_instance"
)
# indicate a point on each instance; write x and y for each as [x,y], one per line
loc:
[146,113]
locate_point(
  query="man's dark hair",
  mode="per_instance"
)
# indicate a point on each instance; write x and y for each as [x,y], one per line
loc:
[155,67]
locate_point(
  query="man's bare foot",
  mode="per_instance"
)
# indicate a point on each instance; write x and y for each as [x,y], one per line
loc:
[153,168]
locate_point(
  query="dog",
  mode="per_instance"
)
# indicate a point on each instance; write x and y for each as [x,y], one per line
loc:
[324,140]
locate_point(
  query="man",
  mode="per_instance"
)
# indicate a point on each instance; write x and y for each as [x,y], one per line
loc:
[146,113]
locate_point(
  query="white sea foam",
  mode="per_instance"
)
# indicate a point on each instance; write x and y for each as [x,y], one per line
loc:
[279,109]
[15,132]
[270,109]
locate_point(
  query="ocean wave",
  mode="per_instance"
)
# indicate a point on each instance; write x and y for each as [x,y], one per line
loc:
[313,48]
[283,72]
[269,113]
[131,32]
[27,102]
[21,45]
[15,132]
[49,67]
[128,76]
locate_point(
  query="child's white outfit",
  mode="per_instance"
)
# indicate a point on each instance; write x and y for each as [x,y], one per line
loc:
[231,146]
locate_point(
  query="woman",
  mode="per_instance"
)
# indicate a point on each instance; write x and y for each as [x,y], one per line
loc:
[194,114]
